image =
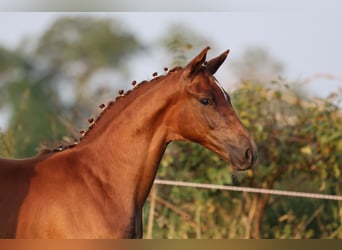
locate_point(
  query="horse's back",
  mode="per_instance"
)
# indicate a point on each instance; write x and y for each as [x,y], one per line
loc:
[15,176]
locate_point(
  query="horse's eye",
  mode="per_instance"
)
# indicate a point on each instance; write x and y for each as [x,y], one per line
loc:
[205,101]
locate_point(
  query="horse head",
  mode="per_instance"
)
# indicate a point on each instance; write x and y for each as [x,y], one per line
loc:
[207,116]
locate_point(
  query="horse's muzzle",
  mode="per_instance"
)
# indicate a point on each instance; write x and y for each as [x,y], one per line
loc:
[244,156]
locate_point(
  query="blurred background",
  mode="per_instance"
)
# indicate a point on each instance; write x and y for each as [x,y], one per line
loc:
[284,75]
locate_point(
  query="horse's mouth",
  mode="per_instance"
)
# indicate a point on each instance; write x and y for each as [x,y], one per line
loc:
[240,168]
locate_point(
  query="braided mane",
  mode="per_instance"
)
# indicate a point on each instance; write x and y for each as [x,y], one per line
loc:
[44,149]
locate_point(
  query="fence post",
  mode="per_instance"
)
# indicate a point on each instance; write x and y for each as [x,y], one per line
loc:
[150,222]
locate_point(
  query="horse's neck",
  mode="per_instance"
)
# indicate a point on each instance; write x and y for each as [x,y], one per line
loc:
[127,143]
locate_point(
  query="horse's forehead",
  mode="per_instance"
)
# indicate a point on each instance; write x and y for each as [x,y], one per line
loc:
[214,83]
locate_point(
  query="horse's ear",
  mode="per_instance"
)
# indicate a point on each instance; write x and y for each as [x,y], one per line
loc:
[196,63]
[216,62]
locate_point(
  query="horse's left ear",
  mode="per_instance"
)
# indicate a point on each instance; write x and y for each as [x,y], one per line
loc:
[196,63]
[216,62]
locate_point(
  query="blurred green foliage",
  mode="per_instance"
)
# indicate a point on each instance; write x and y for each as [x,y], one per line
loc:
[31,76]
[94,42]
[299,138]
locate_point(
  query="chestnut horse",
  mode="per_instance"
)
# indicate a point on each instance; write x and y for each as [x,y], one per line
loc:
[97,188]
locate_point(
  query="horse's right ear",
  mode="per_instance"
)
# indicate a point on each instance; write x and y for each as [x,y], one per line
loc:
[196,63]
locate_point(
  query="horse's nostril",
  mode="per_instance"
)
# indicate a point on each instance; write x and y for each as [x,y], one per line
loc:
[249,155]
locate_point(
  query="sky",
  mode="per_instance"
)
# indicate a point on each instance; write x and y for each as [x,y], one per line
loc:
[174,5]
[306,42]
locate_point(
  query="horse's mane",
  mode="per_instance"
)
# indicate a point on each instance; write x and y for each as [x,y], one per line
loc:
[61,146]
